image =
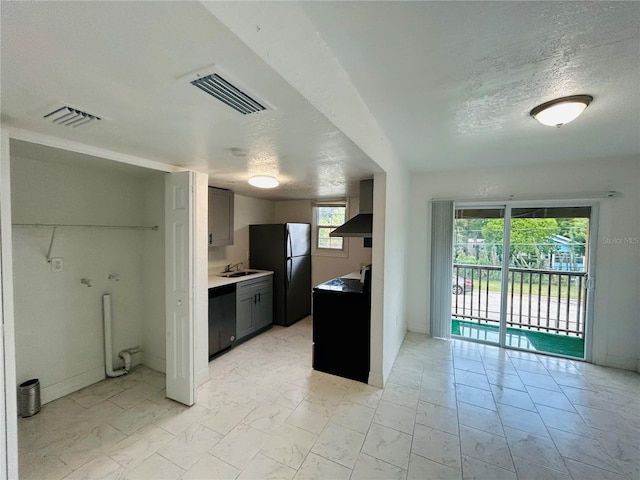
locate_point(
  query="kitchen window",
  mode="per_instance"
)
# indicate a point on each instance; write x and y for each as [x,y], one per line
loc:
[327,217]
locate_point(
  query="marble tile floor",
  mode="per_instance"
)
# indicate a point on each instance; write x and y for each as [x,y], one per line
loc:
[450,410]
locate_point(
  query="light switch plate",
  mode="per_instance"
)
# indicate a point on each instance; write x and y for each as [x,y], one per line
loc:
[57,265]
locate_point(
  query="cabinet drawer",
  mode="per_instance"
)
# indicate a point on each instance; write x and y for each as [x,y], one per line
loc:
[254,284]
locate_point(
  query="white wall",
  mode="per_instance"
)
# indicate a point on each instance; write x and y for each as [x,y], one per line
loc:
[325,267]
[616,332]
[295,211]
[58,321]
[247,211]
[389,283]
[153,275]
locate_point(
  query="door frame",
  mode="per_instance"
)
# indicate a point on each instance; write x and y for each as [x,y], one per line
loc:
[8,398]
[507,205]
[8,402]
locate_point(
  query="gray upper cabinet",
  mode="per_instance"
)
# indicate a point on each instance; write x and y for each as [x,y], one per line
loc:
[220,217]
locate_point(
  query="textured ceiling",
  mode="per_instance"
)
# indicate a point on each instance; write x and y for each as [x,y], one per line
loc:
[452,83]
[130,63]
[449,84]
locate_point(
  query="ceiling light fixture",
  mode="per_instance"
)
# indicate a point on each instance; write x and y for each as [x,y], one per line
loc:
[561,110]
[263,181]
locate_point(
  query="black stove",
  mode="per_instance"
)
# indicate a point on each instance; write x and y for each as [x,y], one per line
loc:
[342,327]
[341,285]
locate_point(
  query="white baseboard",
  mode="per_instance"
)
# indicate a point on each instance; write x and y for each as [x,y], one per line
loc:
[202,376]
[419,330]
[73,384]
[376,379]
[156,363]
[623,363]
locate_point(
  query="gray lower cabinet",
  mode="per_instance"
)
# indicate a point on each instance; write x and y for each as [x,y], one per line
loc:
[254,305]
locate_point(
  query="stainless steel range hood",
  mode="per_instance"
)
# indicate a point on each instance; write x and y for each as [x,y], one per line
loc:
[362,224]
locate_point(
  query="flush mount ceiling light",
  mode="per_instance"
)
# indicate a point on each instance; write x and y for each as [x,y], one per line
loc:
[263,181]
[561,110]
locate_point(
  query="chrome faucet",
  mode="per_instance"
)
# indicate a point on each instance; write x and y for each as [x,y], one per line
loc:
[229,267]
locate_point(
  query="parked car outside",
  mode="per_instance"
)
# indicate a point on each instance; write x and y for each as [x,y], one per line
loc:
[460,285]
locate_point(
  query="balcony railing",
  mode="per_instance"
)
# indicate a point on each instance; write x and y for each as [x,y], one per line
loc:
[542,300]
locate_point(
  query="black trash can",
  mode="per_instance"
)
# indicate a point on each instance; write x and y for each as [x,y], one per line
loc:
[29,398]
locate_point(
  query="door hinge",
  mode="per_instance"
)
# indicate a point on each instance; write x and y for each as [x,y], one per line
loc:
[591,283]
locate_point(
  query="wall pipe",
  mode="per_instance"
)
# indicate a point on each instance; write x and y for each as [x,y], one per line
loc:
[126,358]
[108,360]
[125,355]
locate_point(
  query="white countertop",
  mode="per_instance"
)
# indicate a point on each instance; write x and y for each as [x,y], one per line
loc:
[216,281]
[351,275]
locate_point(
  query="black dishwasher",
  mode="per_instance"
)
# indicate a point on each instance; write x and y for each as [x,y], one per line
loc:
[222,318]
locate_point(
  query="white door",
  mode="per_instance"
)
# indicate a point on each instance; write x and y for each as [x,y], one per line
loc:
[180,286]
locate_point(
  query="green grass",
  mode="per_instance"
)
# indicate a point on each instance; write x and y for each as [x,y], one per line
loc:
[541,341]
[494,286]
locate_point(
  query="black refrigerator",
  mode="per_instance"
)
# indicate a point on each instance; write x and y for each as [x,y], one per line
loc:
[284,248]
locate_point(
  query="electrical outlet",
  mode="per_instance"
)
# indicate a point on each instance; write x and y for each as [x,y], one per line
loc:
[57,265]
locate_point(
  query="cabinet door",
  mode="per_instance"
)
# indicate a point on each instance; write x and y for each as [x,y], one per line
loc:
[244,315]
[220,217]
[264,307]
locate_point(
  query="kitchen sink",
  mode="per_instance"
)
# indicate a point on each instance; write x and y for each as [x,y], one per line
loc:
[241,273]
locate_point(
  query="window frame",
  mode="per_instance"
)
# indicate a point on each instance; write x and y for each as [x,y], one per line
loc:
[329,252]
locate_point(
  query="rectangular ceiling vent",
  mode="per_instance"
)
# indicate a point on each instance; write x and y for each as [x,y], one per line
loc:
[70,117]
[218,87]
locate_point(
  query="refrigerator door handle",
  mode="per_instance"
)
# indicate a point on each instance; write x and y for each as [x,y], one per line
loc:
[289,244]
[289,255]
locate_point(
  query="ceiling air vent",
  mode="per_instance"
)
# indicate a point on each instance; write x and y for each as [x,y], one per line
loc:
[218,87]
[70,117]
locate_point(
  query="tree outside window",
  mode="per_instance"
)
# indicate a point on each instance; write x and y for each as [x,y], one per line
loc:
[328,218]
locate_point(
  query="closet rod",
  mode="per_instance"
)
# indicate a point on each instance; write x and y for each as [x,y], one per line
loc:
[56,225]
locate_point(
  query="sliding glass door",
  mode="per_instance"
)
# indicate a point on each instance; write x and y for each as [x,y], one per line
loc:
[548,271]
[520,276]
[479,237]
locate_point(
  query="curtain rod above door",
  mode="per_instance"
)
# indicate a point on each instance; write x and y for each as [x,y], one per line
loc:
[532,197]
